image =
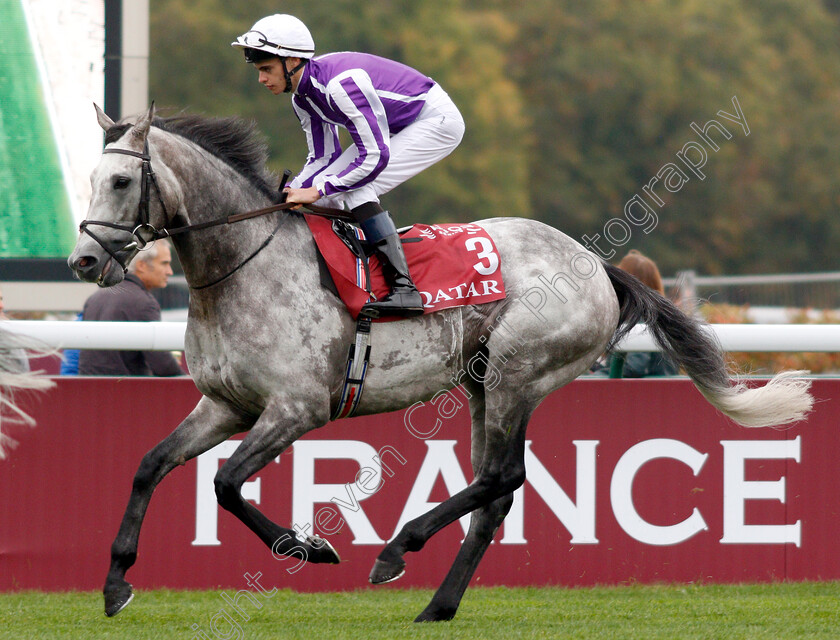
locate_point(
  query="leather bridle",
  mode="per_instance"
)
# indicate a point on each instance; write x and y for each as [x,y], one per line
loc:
[144,233]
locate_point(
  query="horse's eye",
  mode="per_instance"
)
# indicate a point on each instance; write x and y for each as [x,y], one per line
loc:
[121,182]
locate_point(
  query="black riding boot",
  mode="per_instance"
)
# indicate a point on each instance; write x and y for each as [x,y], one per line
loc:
[404,299]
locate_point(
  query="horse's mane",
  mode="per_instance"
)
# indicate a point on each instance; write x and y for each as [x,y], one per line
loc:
[232,139]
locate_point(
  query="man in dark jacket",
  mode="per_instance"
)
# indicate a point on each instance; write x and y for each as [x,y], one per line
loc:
[131,301]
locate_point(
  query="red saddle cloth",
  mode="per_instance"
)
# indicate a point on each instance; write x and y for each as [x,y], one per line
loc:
[451,265]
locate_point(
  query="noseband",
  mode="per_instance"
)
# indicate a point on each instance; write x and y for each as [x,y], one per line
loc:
[141,225]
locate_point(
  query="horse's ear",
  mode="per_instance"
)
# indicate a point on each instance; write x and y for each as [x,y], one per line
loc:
[141,129]
[102,118]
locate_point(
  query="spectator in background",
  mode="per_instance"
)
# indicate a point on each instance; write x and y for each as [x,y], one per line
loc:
[18,361]
[131,301]
[70,358]
[648,363]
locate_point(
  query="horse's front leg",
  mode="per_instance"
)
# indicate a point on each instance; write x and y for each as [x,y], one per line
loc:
[278,427]
[209,424]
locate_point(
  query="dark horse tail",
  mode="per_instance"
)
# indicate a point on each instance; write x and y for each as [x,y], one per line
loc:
[687,342]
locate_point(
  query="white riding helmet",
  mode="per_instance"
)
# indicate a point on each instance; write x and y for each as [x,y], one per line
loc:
[281,35]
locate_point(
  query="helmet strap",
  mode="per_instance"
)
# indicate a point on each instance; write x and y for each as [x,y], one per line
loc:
[289,73]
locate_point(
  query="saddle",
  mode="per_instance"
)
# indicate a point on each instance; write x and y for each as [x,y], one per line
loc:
[451,264]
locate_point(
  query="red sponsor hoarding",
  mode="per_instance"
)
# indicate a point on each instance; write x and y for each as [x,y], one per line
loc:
[628,481]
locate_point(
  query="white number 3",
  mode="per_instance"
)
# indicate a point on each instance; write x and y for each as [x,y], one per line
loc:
[485,251]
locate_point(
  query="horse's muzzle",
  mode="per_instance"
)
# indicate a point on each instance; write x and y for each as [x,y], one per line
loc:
[104,271]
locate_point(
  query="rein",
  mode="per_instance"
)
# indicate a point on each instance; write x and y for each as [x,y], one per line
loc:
[144,233]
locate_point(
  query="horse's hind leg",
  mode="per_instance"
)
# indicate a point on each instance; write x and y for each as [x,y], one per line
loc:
[209,424]
[501,472]
[484,524]
[277,428]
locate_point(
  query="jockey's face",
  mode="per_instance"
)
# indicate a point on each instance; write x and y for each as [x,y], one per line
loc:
[271,74]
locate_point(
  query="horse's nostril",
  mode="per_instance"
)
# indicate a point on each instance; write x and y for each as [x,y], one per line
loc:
[85,262]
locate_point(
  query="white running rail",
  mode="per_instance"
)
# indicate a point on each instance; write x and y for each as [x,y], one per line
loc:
[169,336]
[124,336]
[755,337]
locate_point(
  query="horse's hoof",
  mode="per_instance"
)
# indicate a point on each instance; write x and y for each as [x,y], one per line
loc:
[383,572]
[435,614]
[322,551]
[117,598]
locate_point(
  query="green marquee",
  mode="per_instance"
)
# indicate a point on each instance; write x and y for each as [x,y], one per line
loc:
[36,218]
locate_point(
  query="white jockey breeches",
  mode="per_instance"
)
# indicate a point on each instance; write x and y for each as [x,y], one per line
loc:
[435,133]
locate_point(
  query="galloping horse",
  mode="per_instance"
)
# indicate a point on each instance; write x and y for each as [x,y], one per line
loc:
[266,344]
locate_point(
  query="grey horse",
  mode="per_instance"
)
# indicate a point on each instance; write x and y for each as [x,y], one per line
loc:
[267,344]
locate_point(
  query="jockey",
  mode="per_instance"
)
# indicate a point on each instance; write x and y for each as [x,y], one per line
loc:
[399,120]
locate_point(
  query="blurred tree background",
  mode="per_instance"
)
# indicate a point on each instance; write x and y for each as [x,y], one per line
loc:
[572,108]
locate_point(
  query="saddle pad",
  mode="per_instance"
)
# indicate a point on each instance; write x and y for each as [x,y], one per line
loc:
[451,265]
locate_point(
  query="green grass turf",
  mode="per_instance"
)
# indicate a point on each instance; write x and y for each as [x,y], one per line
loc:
[780,610]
